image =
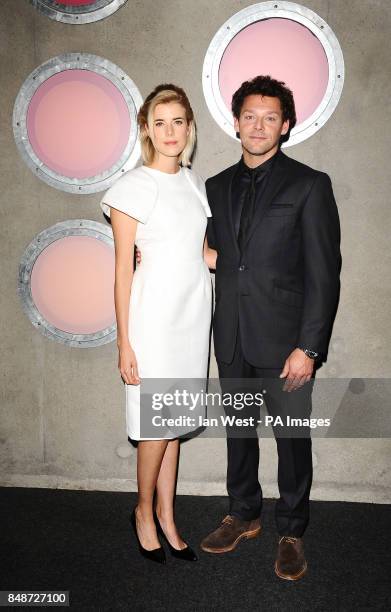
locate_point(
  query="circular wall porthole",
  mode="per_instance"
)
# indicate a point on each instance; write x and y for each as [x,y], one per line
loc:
[77,11]
[287,41]
[75,122]
[66,283]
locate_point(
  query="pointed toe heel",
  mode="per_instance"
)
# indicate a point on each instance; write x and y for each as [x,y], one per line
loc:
[157,554]
[185,554]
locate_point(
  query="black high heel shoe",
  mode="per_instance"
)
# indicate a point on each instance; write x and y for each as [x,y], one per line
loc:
[157,554]
[186,554]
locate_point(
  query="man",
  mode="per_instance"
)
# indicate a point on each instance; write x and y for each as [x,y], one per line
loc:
[275,227]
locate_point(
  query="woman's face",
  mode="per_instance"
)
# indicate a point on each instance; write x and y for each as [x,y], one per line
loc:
[170,129]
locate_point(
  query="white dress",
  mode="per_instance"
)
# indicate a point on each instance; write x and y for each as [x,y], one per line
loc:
[170,303]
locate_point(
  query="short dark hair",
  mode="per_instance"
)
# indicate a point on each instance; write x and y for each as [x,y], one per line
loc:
[266,86]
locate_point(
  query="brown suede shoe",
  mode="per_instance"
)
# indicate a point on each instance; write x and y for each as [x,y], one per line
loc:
[228,535]
[290,563]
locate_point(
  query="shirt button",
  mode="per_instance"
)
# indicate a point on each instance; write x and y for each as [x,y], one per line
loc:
[241,268]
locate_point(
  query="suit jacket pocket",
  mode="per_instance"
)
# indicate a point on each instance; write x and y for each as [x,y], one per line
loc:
[286,296]
[281,209]
[282,205]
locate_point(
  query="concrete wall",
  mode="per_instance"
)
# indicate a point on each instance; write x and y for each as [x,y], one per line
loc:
[62,410]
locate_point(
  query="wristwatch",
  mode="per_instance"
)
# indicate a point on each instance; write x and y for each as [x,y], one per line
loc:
[310,354]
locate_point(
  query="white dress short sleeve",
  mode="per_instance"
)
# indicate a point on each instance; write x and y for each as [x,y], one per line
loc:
[135,193]
[199,187]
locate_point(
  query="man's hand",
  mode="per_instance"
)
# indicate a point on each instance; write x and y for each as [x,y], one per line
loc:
[297,370]
[138,256]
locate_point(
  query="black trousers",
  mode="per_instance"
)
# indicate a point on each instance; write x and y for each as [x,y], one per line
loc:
[294,452]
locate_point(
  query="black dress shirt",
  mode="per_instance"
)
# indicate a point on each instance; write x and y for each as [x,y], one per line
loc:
[247,187]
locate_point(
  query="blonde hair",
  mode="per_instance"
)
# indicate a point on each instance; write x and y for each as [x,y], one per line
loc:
[163,94]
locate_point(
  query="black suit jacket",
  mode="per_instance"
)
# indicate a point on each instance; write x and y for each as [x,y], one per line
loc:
[284,290]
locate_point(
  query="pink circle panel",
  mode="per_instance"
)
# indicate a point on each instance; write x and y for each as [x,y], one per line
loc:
[78,123]
[72,284]
[77,2]
[284,49]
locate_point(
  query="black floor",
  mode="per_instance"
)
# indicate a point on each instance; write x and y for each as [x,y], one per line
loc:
[81,541]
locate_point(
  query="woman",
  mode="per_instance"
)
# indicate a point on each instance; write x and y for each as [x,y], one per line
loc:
[163,309]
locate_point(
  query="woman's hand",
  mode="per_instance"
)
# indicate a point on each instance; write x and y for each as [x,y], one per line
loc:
[127,365]
[210,256]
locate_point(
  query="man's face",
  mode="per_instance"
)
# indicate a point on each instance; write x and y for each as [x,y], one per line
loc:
[260,124]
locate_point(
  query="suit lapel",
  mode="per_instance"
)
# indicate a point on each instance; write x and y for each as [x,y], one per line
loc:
[227,197]
[273,186]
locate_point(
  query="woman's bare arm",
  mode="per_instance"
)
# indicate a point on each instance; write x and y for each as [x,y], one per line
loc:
[210,256]
[124,231]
